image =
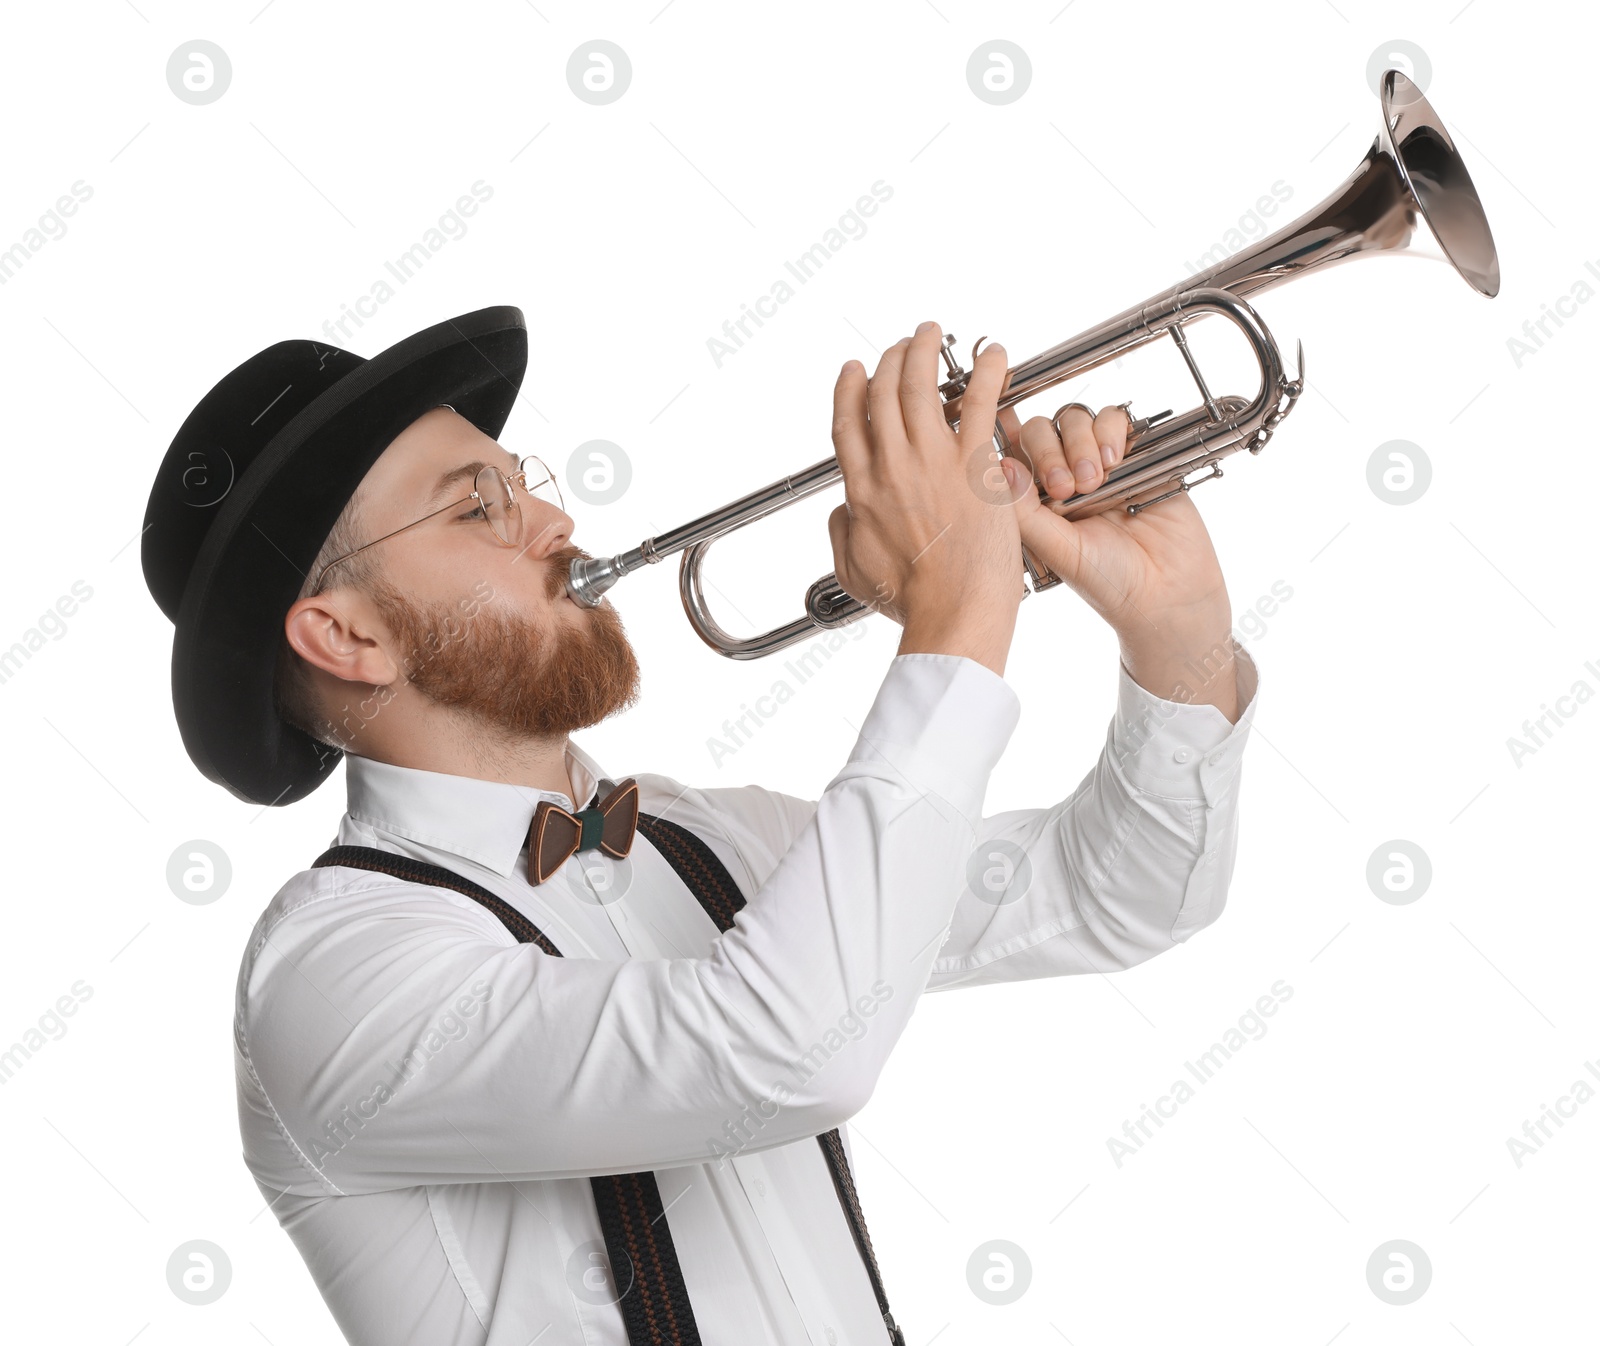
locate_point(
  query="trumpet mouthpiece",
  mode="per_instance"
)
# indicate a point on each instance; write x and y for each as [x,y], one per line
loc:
[589,578]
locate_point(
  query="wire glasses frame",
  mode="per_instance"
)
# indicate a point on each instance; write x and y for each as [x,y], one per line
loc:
[496,505]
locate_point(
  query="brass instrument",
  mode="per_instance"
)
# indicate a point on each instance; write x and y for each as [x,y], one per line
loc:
[1411,171]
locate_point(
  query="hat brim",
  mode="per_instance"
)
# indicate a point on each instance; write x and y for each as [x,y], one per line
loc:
[256,554]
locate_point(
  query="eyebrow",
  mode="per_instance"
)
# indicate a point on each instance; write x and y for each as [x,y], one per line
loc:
[453,478]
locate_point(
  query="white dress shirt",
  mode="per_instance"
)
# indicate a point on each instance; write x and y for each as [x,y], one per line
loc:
[423,1099]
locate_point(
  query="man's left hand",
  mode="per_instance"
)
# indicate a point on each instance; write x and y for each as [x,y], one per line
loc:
[1153,576]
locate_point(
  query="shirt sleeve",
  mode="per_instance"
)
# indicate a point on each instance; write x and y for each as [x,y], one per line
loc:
[1130,864]
[392,1035]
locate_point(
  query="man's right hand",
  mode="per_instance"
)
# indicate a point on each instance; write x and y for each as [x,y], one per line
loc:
[926,535]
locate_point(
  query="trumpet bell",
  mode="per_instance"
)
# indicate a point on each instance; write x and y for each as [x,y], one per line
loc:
[1412,172]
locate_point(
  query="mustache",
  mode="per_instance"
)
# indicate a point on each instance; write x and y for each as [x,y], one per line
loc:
[559,561]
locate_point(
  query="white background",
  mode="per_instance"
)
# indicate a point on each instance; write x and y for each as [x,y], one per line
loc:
[1417,640]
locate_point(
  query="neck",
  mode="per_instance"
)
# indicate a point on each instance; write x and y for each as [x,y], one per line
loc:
[459,746]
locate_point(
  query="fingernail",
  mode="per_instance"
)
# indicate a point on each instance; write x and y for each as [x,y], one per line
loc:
[1108,456]
[1085,470]
[1058,482]
[924,327]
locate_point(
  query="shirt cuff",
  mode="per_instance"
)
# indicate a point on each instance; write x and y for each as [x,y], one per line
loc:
[941,723]
[1176,749]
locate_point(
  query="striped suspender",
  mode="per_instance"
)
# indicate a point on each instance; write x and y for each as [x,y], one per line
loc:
[644,1261]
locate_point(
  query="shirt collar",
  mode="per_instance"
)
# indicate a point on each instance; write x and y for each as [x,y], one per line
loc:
[481,820]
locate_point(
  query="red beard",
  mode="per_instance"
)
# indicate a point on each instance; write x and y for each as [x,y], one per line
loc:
[509,673]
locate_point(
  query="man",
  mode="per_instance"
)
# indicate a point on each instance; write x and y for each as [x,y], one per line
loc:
[458,1066]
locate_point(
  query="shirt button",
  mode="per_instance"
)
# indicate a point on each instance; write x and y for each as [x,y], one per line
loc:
[761,1187]
[1182,755]
[832,1337]
[1214,759]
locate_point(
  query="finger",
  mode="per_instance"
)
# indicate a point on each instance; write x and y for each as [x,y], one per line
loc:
[1083,452]
[920,405]
[1010,428]
[850,442]
[1111,434]
[883,400]
[1045,452]
[979,401]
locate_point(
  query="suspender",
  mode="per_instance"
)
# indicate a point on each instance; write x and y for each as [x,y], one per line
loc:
[644,1261]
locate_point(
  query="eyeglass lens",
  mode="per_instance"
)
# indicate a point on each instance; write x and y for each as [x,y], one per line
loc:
[499,502]
[499,506]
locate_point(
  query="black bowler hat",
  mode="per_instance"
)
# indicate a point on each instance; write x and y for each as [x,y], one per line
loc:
[248,493]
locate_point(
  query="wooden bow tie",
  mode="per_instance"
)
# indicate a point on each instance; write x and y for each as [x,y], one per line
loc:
[556,835]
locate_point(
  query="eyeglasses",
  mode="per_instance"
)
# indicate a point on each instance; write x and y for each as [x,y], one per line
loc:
[494,501]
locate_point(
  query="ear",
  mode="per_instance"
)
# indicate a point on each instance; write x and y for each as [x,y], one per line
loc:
[336,632]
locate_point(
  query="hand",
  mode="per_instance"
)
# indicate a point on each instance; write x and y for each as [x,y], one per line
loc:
[914,538]
[1153,576]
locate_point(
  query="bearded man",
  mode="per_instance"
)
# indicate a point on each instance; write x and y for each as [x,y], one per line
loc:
[532,1054]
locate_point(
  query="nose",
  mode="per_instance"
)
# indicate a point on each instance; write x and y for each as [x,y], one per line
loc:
[546,528]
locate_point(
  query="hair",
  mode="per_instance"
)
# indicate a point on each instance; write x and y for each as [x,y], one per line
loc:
[294,697]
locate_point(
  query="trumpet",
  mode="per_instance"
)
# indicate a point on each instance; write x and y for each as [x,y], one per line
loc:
[1412,171]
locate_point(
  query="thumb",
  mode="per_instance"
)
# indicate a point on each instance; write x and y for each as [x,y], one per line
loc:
[839,534]
[1051,539]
